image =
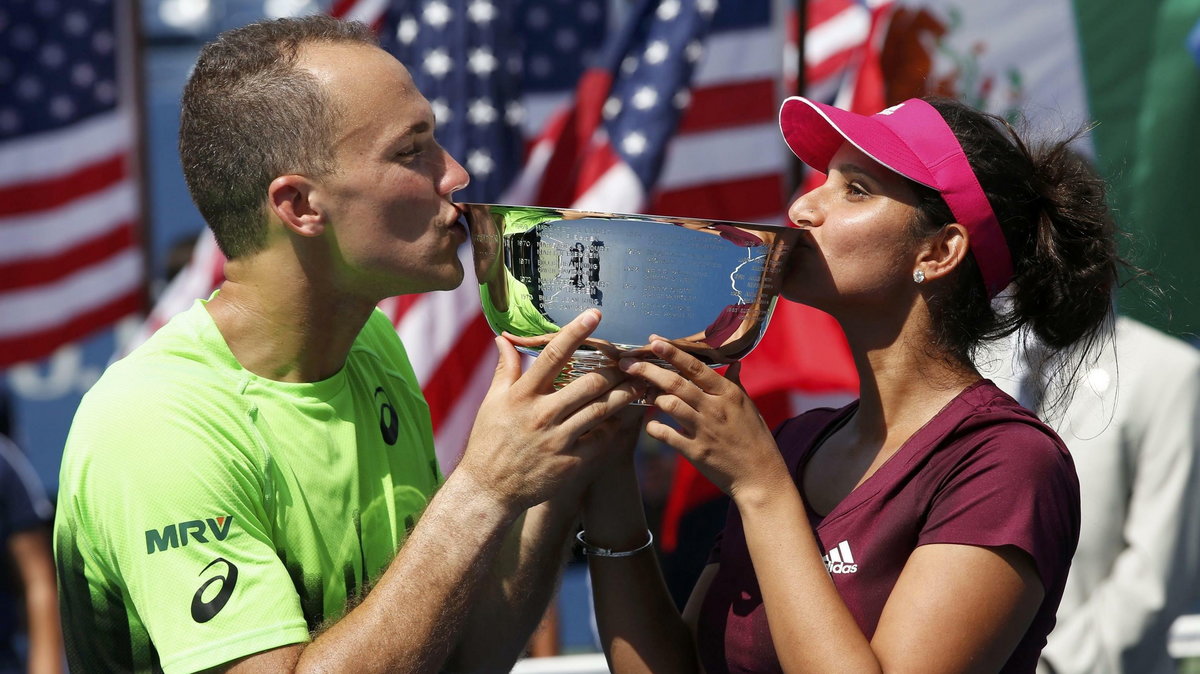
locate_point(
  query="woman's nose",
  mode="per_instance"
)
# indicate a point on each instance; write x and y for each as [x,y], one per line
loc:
[803,211]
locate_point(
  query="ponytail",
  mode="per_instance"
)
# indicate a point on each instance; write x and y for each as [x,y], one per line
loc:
[1054,214]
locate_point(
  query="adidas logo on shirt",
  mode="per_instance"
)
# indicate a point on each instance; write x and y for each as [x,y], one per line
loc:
[839,559]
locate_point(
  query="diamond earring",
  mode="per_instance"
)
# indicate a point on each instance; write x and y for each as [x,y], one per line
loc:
[919,276]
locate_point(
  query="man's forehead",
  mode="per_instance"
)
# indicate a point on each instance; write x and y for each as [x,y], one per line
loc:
[375,93]
[347,60]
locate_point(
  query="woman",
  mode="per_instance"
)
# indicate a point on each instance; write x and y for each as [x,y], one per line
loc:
[929,525]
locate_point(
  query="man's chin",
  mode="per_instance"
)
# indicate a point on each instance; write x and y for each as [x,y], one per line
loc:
[448,281]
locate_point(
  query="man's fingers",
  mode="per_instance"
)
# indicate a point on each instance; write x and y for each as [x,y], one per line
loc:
[587,386]
[600,407]
[508,365]
[734,374]
[558,351]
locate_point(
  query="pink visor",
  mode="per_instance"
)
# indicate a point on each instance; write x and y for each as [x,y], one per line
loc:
[913,140]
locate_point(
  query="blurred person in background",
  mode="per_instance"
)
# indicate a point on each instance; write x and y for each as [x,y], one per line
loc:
[30,636]
[1133,429]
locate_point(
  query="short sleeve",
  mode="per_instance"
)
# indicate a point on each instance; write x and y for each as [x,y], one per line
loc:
[1015,486]
[163,508]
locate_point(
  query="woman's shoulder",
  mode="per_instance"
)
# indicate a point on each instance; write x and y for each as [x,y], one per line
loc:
[985,408]
[992,428]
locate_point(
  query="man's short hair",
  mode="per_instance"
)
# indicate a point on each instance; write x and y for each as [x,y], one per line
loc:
[249,115]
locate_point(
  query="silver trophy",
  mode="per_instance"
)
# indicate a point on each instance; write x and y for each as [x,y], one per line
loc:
[708,286]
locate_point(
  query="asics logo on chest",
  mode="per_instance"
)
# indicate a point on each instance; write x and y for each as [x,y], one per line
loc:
[389,421]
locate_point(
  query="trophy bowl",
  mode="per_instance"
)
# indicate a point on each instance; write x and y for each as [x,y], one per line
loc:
[707,286]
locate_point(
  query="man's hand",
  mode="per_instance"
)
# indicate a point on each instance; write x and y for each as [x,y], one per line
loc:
[523,446]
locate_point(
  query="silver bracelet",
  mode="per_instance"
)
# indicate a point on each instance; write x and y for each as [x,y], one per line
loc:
[593,551]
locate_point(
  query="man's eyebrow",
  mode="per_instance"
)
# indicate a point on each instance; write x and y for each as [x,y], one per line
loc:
[423,126]
[403,136]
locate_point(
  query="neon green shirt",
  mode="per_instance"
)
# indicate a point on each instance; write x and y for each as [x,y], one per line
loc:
[206,513]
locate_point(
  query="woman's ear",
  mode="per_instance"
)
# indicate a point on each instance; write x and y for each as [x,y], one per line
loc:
[288,198]
[943,252]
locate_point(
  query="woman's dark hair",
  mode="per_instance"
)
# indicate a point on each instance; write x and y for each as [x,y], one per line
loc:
[1054,214]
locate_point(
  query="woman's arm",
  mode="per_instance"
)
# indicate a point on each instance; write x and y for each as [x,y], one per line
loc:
[640,628]
[954,608]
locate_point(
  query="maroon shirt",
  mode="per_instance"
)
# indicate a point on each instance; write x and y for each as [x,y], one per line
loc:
[984,471]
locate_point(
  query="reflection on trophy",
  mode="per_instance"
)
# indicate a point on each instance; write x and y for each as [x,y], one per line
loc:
[708,286]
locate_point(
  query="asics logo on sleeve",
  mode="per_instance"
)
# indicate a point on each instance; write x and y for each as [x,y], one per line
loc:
[389,421]
[204,611]
[839,559]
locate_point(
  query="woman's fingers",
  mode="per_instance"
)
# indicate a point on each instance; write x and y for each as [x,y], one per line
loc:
[689,367]
[596,410]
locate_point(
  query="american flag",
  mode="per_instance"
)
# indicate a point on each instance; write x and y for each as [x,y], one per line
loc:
[70,259]
[803,361]
[672,111]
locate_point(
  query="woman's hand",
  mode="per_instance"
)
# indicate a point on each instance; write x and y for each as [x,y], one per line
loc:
[613,442]
[719,428]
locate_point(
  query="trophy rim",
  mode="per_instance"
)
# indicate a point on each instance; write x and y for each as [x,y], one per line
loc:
[461,206]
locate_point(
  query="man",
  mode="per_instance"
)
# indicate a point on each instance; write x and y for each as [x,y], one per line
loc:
[26,563]
[232,490]
[1133,428]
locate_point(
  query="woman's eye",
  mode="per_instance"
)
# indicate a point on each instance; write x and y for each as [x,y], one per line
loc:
[855,190]
[409,153]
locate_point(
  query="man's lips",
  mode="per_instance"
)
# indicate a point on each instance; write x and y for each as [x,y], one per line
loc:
[458,226]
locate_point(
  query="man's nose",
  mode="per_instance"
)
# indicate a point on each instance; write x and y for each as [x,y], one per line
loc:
[455,176]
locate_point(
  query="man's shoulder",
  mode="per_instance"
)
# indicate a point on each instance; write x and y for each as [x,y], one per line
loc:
[185,354]
[172,394]
[379,342]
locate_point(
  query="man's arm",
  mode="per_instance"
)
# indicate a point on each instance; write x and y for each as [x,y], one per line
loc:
[524,578]
[31,553]
[522,450]
[517,590]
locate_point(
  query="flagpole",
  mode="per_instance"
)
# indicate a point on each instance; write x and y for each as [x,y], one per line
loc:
[797,166]
[131,23]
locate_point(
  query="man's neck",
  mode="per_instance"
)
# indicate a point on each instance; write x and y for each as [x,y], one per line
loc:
[286,328]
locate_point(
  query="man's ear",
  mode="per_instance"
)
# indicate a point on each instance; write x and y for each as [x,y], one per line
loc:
[288,199]
[944,251]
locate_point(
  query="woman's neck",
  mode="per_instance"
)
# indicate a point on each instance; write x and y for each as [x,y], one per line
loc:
[903,381]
